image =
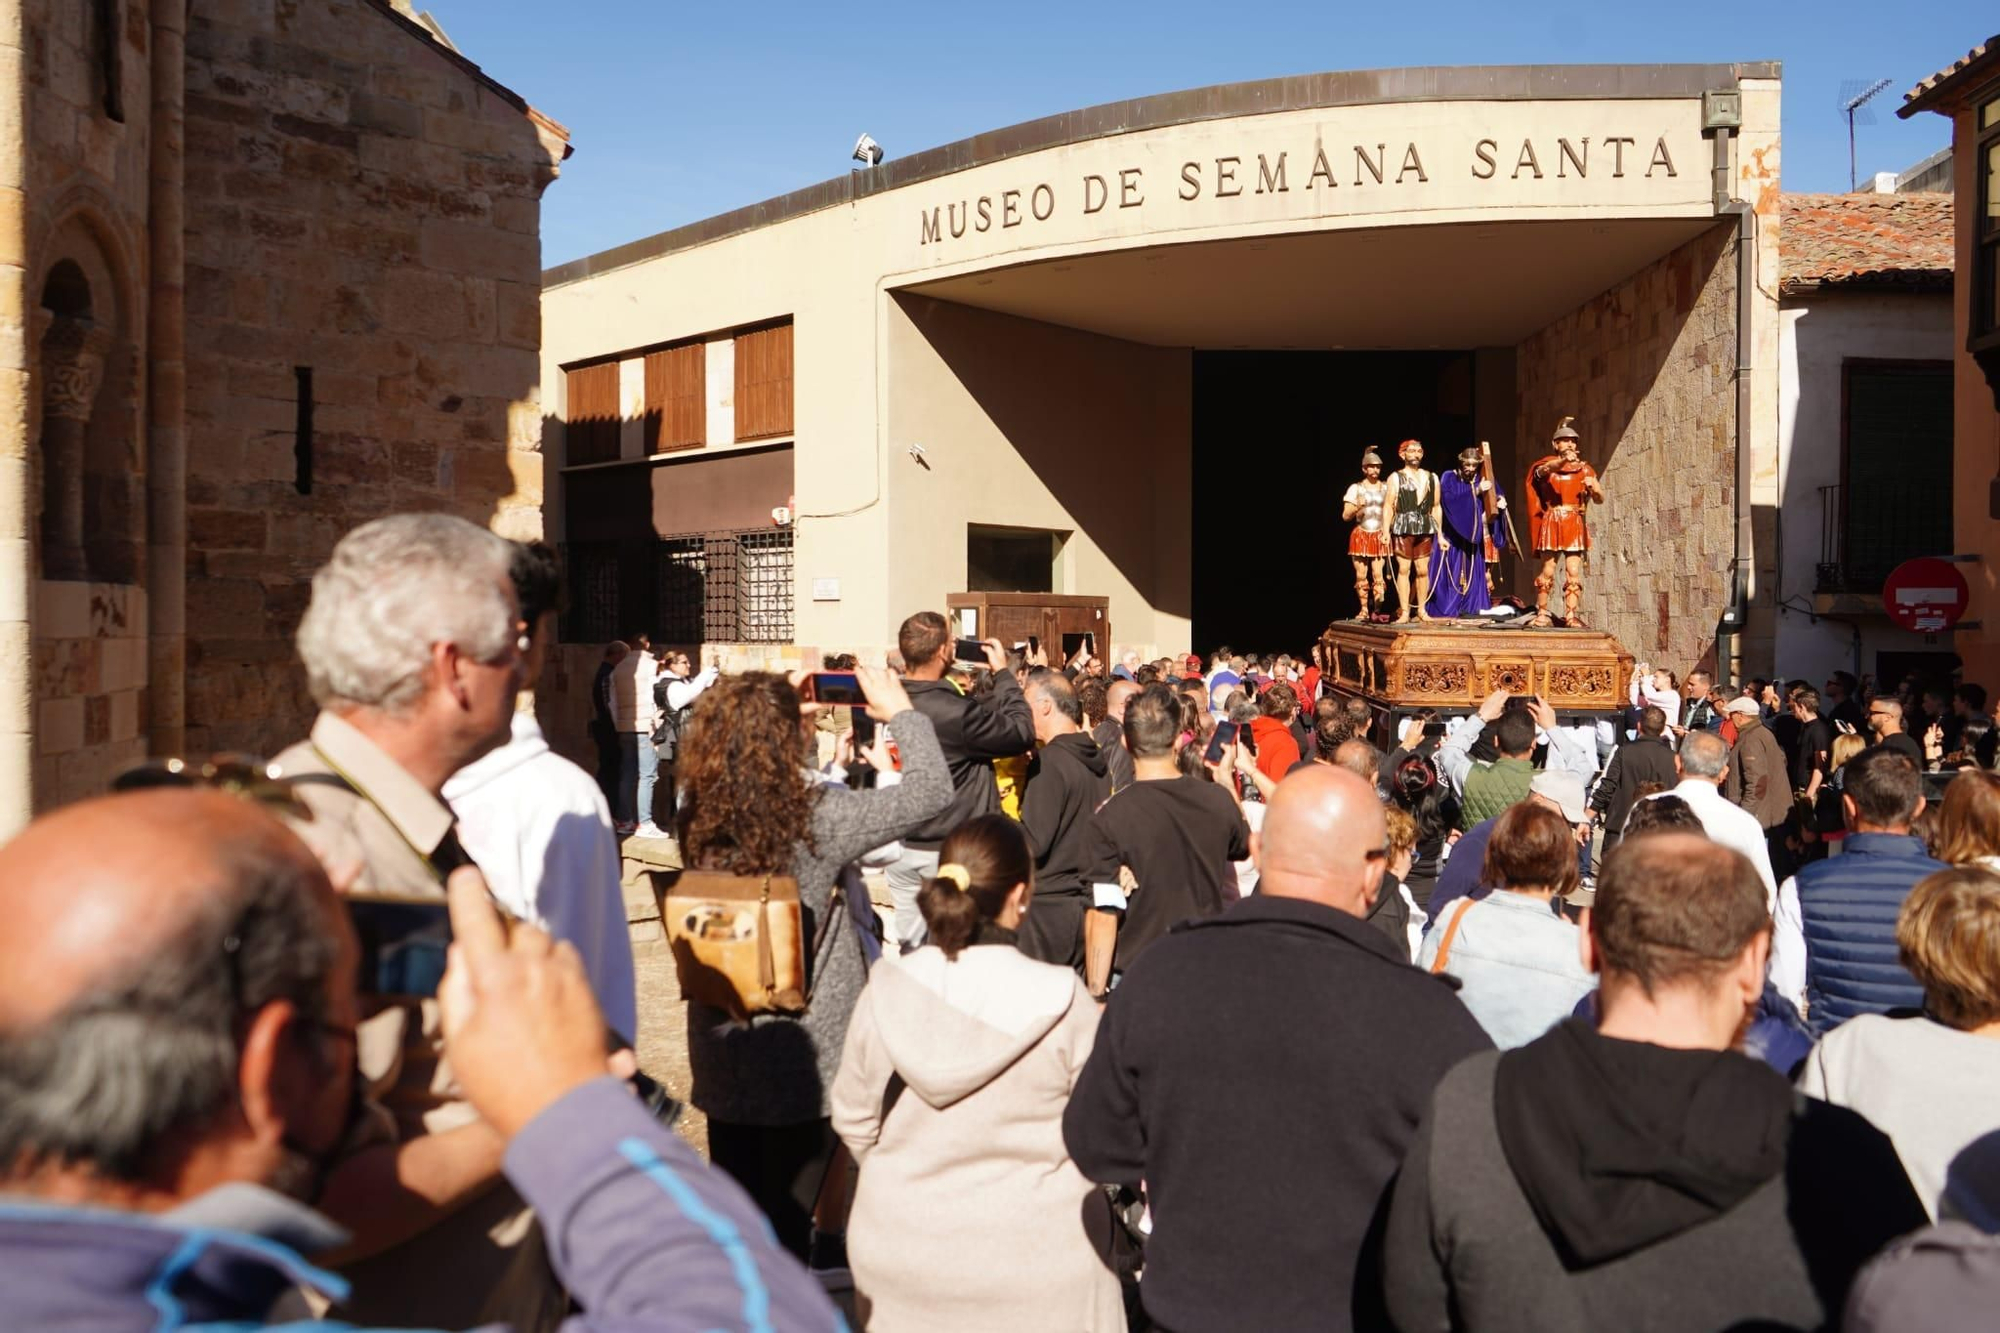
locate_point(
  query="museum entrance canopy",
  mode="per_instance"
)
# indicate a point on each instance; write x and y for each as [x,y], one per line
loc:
[1456,285]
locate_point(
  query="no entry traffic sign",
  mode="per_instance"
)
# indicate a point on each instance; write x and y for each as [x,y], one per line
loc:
[1925,595]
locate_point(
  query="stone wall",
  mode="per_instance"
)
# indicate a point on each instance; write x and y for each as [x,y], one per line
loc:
[90,687]
[1647,369]
[361,201]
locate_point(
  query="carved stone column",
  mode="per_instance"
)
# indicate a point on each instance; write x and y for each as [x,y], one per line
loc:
[72,367]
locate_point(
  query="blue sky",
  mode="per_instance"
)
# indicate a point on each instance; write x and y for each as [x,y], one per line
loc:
[682,110]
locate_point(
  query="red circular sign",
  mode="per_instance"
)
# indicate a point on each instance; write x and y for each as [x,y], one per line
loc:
[1925,595]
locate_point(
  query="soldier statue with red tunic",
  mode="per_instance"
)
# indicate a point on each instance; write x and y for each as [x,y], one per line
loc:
[1559,486]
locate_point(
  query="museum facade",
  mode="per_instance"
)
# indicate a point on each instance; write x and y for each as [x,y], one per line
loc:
[1136,351]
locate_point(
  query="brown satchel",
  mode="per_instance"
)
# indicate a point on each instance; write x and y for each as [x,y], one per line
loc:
[738,940]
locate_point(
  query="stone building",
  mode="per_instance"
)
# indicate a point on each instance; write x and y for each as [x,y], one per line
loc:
[268,268]
[1135,351]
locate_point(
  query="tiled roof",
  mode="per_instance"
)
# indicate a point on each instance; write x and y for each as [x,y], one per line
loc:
[1873,240]
[1920,97]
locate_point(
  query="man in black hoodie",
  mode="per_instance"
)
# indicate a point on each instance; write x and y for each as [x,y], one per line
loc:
[973,732]
[1644,1174]
[1067,781]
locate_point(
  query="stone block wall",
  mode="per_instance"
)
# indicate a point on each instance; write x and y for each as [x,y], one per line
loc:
[362,202]
[1647,369]
[89,687]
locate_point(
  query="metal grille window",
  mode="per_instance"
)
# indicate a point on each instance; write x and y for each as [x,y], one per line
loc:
[706,587]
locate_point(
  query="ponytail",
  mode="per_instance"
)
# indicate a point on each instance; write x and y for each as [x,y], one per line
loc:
[978,867]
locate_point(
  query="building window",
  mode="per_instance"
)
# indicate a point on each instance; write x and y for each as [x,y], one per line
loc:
[1986,229]
[1011,559]
[1894,501]
[591,433]
[677,398]
[764,383]
[685,590]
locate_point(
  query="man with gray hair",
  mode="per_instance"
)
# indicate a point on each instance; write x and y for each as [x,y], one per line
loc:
[1703,762]
[413,649]
[176,1089]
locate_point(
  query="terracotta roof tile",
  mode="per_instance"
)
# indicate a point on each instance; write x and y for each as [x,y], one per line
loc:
[1920,97]
[1877,240]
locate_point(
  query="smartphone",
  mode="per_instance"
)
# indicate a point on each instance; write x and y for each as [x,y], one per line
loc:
[864,734]
[1073,644]
[1219,741]
[968,650]
[1248,737]
[1034,644]
[403,943]
[835,689]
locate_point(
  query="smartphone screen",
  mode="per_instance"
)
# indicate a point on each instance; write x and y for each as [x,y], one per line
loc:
[968,650]
[836,689]
[1075,644]
[1034,644]
[1219,742]
[1248,737]
[403,943]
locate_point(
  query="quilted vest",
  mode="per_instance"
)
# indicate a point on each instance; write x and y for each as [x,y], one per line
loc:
[1848,904]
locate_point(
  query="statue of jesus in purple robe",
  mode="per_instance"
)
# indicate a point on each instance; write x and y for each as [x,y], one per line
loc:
[1459,570]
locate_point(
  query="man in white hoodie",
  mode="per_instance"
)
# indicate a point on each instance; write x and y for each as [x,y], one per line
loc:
[538,825]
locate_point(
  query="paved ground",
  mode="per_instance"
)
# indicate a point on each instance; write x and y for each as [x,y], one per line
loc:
[662,1015]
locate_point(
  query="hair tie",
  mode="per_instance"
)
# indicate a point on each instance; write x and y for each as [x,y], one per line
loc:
[957,874]
[1183,738]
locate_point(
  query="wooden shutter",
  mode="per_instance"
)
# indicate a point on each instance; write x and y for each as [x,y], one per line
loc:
[591,432]
[764,383]
[677,398]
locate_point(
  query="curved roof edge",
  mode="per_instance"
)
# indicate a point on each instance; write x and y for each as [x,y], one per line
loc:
[1304,92]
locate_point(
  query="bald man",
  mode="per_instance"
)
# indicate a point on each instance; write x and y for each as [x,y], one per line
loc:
[177,1010]
[1262,1071]
[1110,733]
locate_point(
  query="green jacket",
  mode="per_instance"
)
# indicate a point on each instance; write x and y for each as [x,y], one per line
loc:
[1491,788]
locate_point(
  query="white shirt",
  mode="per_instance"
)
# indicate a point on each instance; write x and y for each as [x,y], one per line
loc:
[1566,752]
[1731,825]
[1788,946]
[683,691]
[537,825]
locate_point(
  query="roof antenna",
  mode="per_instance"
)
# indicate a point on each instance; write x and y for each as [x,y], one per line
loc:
[1854,97]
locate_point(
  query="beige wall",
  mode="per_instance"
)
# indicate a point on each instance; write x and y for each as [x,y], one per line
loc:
[1032,425]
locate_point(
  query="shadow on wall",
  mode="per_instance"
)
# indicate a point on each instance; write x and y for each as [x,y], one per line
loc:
[1100,421]
[1647,370]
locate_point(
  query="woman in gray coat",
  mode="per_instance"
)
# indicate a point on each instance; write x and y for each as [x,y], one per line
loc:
[749,805]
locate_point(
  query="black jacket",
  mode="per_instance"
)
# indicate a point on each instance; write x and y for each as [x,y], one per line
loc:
[1582,1183]
[972,733]
[1110,737]
[1066,782]
[1635,762]
[1263,1071]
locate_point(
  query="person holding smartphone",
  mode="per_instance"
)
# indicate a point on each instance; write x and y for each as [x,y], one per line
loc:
[973,731]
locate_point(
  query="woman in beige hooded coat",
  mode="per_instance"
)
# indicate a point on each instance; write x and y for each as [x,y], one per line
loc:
[959,1061]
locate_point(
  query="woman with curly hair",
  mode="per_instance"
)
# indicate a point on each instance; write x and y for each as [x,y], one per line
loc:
[750,805]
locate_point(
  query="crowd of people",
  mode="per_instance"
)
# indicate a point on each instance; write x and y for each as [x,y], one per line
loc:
[1204,998]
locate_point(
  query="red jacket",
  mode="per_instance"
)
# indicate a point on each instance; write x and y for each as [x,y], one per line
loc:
[1276,750]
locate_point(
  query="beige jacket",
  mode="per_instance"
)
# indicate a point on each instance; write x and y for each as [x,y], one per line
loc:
[969,1214]
[632,704]
[485,1263]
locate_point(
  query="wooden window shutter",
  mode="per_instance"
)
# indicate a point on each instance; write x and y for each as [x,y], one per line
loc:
[677,398]
[764,383]
[591,432]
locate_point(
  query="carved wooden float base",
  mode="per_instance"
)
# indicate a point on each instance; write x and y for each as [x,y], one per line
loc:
[1453,665]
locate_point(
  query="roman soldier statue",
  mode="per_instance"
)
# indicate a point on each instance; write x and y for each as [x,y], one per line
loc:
[1368,543]
[1414,521]
[1473,535]
[1559,486]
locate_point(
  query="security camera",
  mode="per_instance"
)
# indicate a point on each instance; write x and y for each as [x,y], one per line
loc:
[867,152]
[917,452]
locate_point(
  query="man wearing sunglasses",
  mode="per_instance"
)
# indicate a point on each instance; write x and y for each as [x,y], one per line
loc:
[177,1021]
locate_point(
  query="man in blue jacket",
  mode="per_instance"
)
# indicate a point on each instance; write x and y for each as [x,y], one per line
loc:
[1833,952]
[177,1009]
